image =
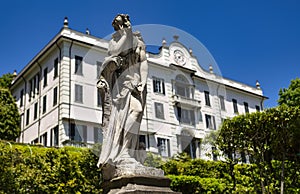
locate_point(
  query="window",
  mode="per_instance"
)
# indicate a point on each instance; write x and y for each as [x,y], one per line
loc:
[142,142]
[78,133]
[159,110]
[222,102]
[54,135]
[207,100]
[35,113]
[55,67]
[78,93]
[163,147]
[210,122]
[190,146]
[186,116]
[21,97]
[34,86]
[45,77]
[43,139]
[27,116]
[54,96]
[44,104]
[37,83]
[235,107]
[200,116]
[99,64]
[182,87]
[158,85]
[30,89]
[78,65]
[98,136]
[35,141]
[257,108]
[246,107]
[99,100]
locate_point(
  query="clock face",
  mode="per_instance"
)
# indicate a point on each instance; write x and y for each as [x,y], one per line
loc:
[179,57]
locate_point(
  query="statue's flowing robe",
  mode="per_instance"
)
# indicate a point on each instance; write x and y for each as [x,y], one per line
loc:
[122,103]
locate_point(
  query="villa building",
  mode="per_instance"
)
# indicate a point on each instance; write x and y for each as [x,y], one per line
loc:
[60,104]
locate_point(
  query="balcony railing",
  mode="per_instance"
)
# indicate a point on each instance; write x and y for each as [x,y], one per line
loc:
[186,101]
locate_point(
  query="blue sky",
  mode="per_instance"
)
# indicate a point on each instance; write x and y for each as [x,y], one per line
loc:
[250,40]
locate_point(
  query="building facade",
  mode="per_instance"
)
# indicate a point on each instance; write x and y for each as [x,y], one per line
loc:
[60,104]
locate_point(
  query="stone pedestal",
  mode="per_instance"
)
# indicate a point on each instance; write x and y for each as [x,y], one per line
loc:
[138,184]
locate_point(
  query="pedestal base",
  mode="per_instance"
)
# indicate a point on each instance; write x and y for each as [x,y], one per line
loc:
[138,185]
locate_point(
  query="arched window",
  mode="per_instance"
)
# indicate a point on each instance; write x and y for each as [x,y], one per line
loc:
[182,86]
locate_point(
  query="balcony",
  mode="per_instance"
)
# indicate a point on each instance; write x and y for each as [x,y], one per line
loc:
[189,102]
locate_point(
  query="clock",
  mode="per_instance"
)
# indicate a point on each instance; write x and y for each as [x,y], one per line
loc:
[179,57]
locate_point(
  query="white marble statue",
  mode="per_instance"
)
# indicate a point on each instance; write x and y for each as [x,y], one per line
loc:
[123,90]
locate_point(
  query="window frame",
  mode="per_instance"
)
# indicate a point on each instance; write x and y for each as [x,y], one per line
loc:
[186,116]
[210,122]
[246,106]
[45,73]
[55,96]
[157,114]
[98,136]
[78,65]
[44,104]
[55,68]
[27,117]
[257,107]
[35,111]
[99,98]
[166,146]
[21,97]
[207,98]
[78,93]
[235,106]
[158,85]
[222,103]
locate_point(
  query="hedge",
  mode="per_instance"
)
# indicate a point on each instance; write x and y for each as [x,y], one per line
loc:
[199,176]
[32,169]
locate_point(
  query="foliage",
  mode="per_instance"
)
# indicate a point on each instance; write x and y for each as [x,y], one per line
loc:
[9,116]
[153,160]
[26,169]
[264,136]
[5,80]
[290,96]
[195,184]
[32,169]
[200,176]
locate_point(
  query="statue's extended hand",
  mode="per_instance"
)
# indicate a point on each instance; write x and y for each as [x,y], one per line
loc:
[140,87]
[101,84]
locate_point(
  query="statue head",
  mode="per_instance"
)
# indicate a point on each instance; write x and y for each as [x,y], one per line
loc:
[121,21]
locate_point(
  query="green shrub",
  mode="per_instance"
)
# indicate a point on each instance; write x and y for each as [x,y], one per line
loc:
[187,173]
[194,184]
[34,169]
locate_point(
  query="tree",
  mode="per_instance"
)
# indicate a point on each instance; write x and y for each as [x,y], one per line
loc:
[9,114]
[291,95]
[5,80]
[265,136]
